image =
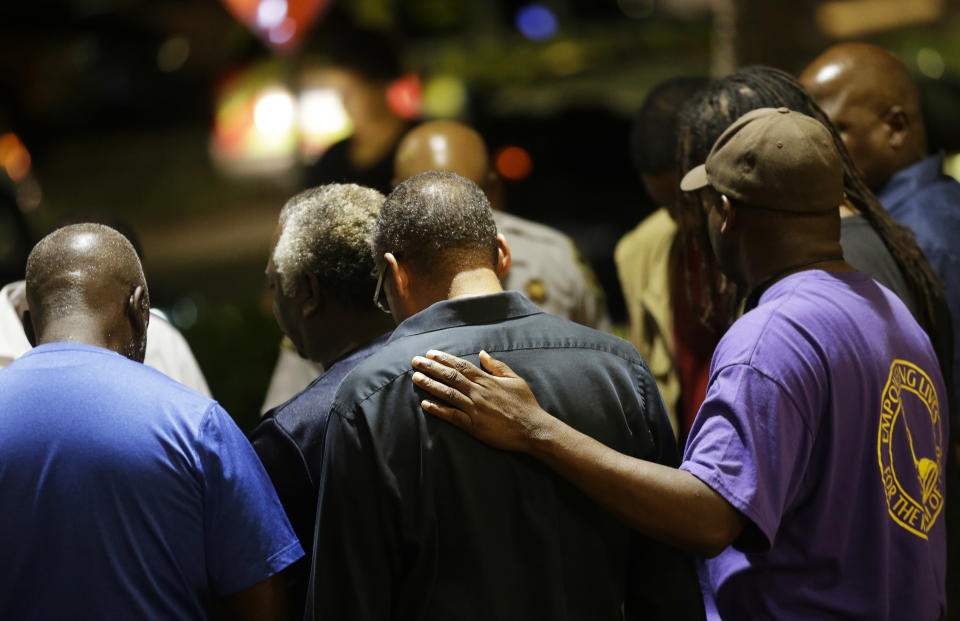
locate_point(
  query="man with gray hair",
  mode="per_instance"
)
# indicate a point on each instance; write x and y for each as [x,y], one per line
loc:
[123,494]
[321,272]
[417,521]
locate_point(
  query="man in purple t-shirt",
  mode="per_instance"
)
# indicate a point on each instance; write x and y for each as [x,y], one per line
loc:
[813,480]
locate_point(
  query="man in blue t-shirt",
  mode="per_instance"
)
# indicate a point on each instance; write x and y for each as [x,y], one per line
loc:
[812,484]
[123,494]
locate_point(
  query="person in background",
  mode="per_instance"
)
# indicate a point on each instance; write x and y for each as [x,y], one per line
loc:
[812,484]
[545,264]
[416,520]
[321,273]
[371,61]
[167,350]
[123,494]
[15,238]
[664,328]
[875,104]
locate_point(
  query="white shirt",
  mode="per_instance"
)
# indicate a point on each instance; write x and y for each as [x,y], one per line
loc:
[167,350]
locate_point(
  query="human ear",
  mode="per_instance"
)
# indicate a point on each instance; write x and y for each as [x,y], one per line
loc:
[397,275]
[315,298]
[503,256]
[138,309]
[898,125]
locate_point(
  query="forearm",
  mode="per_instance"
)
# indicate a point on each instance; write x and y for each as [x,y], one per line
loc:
[666,504]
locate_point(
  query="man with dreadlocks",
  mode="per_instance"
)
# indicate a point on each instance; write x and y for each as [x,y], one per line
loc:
[872,241]
[660,271]
[812,483]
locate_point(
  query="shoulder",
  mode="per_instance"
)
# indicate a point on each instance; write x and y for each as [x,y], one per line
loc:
[306,413]
[536,337]
[937,201]
[652,236]
[517,228]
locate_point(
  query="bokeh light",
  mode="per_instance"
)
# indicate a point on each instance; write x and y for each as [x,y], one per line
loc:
[536,22]
[271,13]
[513,163]
[14,157]
[274,113]
[323,119]
[173,53]
[405,96]
[930,63]
[282,24]
[564,57]
[445,96]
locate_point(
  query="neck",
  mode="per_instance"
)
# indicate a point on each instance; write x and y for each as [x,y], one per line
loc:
[81,330]
[826,257]
[463,284]
[479,281]
[353,330]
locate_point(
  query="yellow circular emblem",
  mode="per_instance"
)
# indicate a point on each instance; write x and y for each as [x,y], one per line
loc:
[536,290]
[915,510]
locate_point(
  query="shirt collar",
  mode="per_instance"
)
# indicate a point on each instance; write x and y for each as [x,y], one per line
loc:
[788,284]
[472,310]
[907,180]
[363,350]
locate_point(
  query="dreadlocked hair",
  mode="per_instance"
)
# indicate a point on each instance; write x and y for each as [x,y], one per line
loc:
[707,115]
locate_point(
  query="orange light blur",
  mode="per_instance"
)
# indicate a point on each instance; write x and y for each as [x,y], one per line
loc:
[513,163]
[405,96]
[14,157]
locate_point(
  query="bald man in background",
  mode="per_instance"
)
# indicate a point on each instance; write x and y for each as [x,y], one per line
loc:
[123,494]
[874,103]
[545,264]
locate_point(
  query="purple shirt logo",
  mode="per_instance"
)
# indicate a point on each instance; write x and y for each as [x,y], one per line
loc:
[909,445]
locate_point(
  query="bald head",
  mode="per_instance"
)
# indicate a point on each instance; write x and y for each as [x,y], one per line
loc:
[85,284]
[442,145]
[873,102]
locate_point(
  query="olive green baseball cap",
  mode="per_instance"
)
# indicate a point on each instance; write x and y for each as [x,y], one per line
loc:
[774,158]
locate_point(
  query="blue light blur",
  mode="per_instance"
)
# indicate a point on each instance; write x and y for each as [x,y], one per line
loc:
[536,22]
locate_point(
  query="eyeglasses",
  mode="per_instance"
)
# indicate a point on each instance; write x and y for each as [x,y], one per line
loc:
[380,294]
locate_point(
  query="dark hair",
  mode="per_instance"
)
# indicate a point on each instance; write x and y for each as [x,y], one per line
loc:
[653,135]
[710,112]
[376,55]
[434,218]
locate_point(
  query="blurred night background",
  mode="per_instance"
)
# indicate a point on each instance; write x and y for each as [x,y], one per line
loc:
[194,120]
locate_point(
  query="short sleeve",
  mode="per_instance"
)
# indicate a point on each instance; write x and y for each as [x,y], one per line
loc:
[247,535]
[750,444]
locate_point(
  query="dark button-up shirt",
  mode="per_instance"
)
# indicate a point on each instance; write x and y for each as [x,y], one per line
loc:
[289,441]
[928,201]
[417,520]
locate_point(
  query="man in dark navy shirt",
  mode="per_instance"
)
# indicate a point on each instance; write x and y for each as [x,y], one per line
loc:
[322,274]
[415,519]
